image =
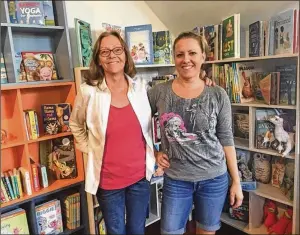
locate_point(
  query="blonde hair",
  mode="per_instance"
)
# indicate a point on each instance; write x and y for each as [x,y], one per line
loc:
[200,39]
[96,72]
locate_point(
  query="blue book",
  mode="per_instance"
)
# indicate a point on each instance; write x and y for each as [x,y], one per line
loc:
[139,40]
[30,12]
[48,12]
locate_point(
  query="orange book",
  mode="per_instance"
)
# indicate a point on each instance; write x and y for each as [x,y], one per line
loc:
[35,177]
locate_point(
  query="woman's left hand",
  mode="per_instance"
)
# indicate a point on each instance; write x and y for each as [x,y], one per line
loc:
[207,80]
[236,195]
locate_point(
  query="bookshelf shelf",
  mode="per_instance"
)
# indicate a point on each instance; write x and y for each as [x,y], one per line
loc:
[40,84]
[281,56]
[241,143]
[12,144]
[240,225]
[17,97]
[273,193]
[56,186]
[49,137]
[271,152]
[261,105]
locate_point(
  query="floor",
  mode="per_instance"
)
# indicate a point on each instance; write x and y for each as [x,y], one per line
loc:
[225,229]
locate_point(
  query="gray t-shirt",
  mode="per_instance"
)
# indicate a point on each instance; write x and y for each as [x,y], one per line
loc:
[193,131]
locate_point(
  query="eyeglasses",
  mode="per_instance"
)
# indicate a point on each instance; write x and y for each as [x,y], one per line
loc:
[116,51]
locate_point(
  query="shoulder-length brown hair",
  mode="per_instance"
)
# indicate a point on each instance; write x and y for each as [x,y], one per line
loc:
[95,74]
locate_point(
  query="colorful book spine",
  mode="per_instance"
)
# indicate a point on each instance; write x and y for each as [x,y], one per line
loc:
[35,177]
[3,182]
[3,189]
[3,70]
[26,180]
[9,185]
[18,177]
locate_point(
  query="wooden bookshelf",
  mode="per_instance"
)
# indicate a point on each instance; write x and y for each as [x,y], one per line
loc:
[18,150]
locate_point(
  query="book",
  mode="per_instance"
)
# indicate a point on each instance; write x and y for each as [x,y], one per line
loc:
[63,159]
[231,37]
[269,87]
[162,47]
[12,11]
[110,27]
[14,222]
[139,40]
[211,36]
[19,68]
[30,12]
[247,178]
[48,12]
[39,66]
[254,39]
[3,69]
[56,118]
[84,42]
[241,125]
[284,32]
[288,83]
[49,217]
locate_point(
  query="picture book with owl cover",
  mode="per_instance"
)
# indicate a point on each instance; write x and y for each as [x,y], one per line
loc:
[139,40]
[245,170]
[162,47]
[39,66]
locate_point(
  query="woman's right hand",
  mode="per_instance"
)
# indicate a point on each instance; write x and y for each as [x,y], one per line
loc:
[162,160]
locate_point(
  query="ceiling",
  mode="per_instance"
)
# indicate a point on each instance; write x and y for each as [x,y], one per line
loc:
[180,16]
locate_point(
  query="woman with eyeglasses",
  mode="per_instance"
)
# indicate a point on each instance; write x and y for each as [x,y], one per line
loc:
[111,122]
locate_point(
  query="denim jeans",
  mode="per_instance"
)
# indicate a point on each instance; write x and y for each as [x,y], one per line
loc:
[135,198]
[208,197]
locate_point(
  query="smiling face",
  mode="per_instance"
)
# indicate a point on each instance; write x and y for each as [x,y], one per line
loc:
[188,58]
[112,64]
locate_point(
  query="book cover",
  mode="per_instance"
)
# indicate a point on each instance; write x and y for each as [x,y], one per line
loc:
[231,37]
[12,11]
[56,118]
[49,218]
[84,42]
[63,158]
[284,32]
[162,47]
[39,66]
[241,125]
[256,78]
[14,222]
[26,180]
[140,43]
[264,134]
[3,69]
[110,27]
[210,34]
[19,68]
[288,84]
[30,12]
[254,39]
[269,87]
[48,12]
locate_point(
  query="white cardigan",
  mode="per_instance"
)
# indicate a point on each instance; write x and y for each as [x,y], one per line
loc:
[91,110]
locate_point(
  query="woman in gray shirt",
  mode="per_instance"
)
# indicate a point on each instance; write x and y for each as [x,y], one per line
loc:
[197,142]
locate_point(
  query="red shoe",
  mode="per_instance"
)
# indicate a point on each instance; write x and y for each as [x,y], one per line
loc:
[281,226]
[271,214]
[266,206]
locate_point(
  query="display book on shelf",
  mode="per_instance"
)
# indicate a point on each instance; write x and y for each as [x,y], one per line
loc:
[20,143]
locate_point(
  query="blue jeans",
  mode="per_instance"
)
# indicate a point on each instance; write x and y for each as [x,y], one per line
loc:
[135,198]
[208,197]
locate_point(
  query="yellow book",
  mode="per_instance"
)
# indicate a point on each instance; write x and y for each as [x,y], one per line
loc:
[17,173]
[14,222]
[33,124]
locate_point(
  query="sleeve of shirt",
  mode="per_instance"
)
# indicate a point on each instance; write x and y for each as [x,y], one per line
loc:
[77,123]
[152,96]
[224,122]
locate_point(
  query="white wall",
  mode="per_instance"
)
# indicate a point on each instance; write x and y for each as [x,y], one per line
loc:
[121,13]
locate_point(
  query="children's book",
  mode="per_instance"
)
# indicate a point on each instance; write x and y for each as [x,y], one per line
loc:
[49,218]
[3,69]
[231,37]
[56,118]
[30,12]
[140,43]
[110,27]
[84,42]
[48,12]
[162,46]
[39,66]
[14,222]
